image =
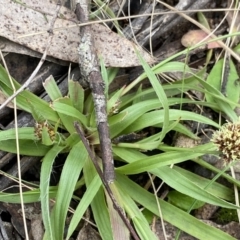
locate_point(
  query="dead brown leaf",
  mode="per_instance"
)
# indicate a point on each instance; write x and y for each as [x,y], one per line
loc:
[17,21]
[8,46]
[194,37]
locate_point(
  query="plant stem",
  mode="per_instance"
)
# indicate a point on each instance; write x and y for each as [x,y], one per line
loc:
[105,184]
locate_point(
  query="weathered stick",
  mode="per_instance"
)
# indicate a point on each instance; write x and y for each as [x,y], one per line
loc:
[89,68]
[108,189]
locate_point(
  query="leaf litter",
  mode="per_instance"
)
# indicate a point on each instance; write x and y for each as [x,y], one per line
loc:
[27,24]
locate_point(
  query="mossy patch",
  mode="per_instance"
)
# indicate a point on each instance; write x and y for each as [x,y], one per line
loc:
[223,216]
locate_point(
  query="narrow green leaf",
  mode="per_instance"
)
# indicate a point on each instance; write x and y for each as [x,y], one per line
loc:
[183,185]
[232,86]
[237,49]
[142,146]
[112,73]
[104,8]
[65,109]
[217,171]
[165,66]
[69,176]
[138,98]
[76,95]
[86,200]
[26,133]
[104,74]
[178,181]
[141,224]
[131,155]
[113,102]
[203,20]
[223,103]
[171,214]
[27,147]
[160,93]
[155,117]
[177,127]
[98,204]
[28,197]
[170,67]
[215,188]
[128,155]
[72,140]
[130,115]
[183,201]
[149,163]
[52,88]
[25,99]
[36,114]
[46,170]
[146,94]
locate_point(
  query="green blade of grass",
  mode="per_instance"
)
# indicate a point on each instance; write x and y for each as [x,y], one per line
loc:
[25,99]
[112,73]
[44,188]
[104,8]
[177,127]
[72,140]
[76,95]
[131,155]
[113,102]
[182,184]
[171,67]
[150,145]
[52,88]
[217,171]
[160,93]
[68,110]
[28,197]
[183,201]
[86,200]
[223,102]
[98,204]
[27,147]
[149,163]
[104,74]
[164,66]
[215,188]
[155,117]
[69,176]
[141,224]
[171,213]
[232,87]
[26,133]
[130,115]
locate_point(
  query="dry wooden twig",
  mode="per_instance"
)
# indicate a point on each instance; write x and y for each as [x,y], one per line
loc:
[108,189]
[89,68]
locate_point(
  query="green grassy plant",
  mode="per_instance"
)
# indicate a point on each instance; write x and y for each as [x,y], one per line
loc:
[128,113]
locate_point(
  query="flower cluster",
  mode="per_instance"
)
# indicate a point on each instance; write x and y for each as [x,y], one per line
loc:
[39,127]
[227,140]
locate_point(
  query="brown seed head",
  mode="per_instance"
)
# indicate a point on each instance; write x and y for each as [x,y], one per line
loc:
[227,140]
